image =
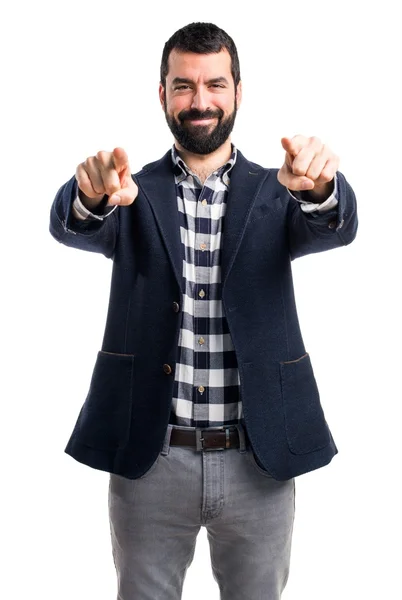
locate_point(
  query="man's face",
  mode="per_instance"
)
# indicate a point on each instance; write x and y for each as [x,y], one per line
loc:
[199,101]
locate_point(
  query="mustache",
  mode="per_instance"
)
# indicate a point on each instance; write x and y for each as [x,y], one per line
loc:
[200,115]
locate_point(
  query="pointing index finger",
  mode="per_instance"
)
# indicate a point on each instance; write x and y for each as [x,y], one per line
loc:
[294,145]
[120,159]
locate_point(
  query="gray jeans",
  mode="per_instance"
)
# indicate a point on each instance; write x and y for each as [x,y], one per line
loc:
[155,520]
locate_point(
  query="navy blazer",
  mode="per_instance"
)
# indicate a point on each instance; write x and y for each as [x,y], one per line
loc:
[123,420]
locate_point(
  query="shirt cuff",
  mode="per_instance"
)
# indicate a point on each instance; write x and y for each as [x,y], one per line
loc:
[81,213]
[308,206]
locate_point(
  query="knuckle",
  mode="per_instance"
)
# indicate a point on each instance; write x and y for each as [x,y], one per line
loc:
[111,189]
[101,155]
[299,170]
[326,176]
[90,162]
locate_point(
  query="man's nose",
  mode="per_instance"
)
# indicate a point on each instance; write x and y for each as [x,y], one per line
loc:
[200,100]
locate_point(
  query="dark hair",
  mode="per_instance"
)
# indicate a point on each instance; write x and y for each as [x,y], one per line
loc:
[202,38]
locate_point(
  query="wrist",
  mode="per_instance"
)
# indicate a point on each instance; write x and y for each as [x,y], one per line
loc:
[91,204]
[320,193]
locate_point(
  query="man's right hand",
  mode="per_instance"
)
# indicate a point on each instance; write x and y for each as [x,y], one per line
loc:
[107,173]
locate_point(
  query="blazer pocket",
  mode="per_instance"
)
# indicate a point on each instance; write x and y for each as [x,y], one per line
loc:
[105,417]
[306,427]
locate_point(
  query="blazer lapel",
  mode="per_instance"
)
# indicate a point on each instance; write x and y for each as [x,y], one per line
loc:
[245,181]
[158,186]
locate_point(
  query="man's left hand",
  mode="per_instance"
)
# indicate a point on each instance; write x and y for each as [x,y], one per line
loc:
[309,166]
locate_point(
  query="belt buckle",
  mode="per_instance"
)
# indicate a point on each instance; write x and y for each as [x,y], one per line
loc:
[199,440]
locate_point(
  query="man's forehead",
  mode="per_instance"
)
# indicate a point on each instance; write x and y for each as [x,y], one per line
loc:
[185,64]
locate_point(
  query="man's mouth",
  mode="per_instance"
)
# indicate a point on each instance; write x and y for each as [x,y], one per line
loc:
[201,121]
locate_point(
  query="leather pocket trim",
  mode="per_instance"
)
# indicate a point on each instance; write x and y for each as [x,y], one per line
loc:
[289,362]
[115,353]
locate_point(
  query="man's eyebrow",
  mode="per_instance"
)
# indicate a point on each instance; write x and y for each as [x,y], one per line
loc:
[181,80]
[178,80]
[219,80]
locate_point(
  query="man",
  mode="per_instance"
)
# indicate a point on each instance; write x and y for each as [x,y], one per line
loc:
[203,405]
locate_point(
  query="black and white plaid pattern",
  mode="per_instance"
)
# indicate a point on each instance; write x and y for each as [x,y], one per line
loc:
[207,385]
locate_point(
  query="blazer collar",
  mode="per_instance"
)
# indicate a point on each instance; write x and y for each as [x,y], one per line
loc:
[156,181]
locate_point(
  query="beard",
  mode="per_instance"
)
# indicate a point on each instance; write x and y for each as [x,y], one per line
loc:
[199,139]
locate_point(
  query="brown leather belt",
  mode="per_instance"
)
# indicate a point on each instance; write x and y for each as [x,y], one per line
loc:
[219,438]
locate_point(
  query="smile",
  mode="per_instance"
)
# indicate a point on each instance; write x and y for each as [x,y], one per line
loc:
[201,121]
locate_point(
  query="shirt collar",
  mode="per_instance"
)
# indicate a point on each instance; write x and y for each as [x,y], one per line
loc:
[182,171]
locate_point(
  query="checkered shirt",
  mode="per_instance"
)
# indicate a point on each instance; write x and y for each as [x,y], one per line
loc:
[207,385]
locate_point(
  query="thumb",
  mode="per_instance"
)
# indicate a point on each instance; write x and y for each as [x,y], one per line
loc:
[126,195]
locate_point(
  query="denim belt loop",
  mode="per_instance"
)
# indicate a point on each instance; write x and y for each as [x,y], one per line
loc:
[166,444]
[242,438]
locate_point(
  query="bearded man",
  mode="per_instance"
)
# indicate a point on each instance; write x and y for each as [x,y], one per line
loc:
[203,405]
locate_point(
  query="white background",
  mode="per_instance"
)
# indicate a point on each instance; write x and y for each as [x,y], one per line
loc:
[78,77]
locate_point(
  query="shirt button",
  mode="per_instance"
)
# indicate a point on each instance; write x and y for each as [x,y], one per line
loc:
[203,246]
[201,389]
[201,294]
[201,341]
[175,307]
[167,369]
[204,202]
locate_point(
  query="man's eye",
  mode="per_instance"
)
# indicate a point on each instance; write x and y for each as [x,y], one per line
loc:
[218,85]
[181,87]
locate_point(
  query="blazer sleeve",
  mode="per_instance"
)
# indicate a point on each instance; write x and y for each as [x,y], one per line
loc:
[91,235]
[319,231]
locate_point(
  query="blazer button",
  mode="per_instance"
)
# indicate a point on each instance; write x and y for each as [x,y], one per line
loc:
[332,224]
[176,307]
[167,369]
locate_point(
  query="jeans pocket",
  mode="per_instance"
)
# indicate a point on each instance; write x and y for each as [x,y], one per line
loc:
[152,468]
[251,457]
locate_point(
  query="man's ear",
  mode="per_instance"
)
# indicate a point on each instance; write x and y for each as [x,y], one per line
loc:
[239,93]
[162,95]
